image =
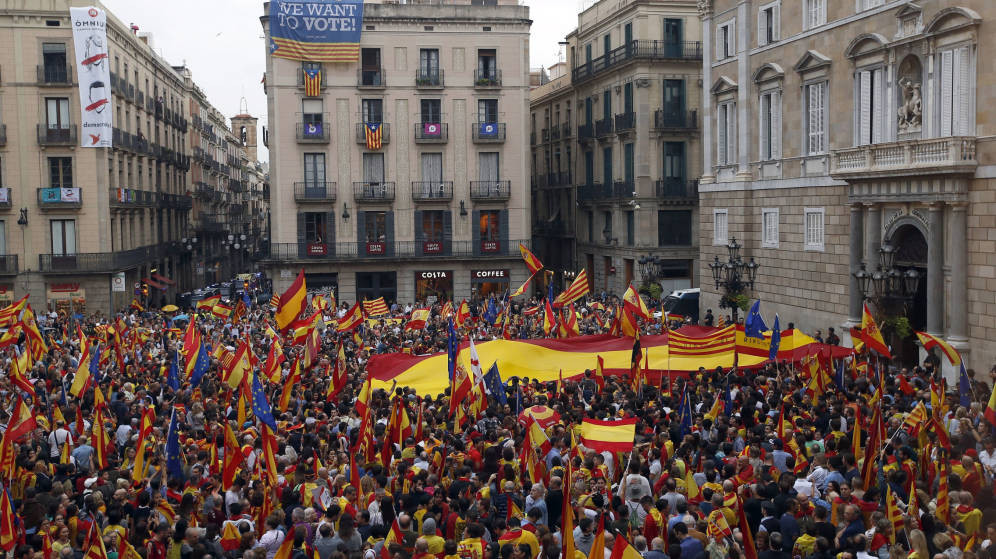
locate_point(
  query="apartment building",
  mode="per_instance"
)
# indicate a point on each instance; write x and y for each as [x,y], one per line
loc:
[844,150]
[615,147]
[74,219]
[434,203]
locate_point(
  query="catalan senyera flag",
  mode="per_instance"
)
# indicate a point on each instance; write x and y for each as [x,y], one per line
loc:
[377,307]
[418,319]
[447,310]
[530,259]
[208,303]
[312,82]
[892,513]
[930,342]
[352,319]
[292,302]
[571,323]
[144,430]
[613,436]
[872,336]
[374,134]
[578,288]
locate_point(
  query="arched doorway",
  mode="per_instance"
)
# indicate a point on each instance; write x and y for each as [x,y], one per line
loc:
[911,253]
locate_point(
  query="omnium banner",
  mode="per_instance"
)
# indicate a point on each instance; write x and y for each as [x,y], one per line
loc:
[92,67]
[316,30]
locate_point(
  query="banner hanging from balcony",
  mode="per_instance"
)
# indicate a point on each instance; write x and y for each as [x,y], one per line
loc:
[316,30]
[92,67]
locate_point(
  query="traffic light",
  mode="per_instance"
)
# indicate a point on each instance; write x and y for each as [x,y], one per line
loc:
[145,289]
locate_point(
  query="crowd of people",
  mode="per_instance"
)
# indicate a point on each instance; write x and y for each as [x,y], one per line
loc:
[775,472]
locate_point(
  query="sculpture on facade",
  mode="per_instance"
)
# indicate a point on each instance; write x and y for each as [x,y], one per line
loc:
[910,107]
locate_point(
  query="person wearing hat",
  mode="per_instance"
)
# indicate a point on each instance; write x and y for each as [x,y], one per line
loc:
[434,542]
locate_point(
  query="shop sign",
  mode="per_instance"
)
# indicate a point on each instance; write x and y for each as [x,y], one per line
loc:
[432,247]
[433,275]
[490,246]
[317,249]
[376,248]
[490,274]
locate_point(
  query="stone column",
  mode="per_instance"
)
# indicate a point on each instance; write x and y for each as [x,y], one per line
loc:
[856,241]
[958,260]
[744,13]
[705,14]
[872,236]
[935,271]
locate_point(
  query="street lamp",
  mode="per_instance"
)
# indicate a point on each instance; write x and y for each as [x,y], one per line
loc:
[891,289]
[651,268]
[733,277]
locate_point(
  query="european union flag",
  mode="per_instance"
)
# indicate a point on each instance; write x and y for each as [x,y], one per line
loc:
[95,363]
[451,350]
[518,399]
[492,380]
[260,407]
[491,311]
[727,400]
[964,388]
[754,326]
[173,465]
[776,340]
[173,376]
[245,299]
[549,293]
[200,365]
[838,377]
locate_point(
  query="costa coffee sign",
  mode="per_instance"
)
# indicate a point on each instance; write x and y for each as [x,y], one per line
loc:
[376,248]
[317,249]
[489,274]
[490,246]
[432,247]
[434,275]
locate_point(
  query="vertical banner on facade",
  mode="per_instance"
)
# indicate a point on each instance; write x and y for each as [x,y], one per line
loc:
[92,67]
[316,30]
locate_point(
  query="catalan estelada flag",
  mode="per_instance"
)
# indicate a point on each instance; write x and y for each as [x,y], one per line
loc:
[374,134]
[613,436]
[377,307]
[312,82]
[316,31]
[292,302]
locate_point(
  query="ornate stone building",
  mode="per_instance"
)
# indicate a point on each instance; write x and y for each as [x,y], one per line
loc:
[836,129]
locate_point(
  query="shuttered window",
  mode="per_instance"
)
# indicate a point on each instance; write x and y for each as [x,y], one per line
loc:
[955,87]
[770,126]
[871,113]
[726,134]
[816,118]
[814,228]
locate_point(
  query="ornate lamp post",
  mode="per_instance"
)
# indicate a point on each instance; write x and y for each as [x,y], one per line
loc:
[891,289]
[733,277]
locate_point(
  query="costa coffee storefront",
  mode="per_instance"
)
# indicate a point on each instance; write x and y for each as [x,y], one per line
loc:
[67,298]
[434,285]
[484,283]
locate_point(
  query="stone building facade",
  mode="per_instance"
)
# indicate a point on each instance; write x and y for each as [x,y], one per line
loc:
[438,210]
[836,128]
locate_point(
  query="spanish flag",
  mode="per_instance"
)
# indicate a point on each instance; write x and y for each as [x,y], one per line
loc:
[871,335]
[930,342]
[613,436]
[521,289]
[634,304]
[221,310]
[990,413]
[286,549]
[463,313]
[233,458]
[82,377]
[418,319]
[208,303]
[351,319]
[532,262]
[622,550]
[549,320]
[292,302]
[8,523]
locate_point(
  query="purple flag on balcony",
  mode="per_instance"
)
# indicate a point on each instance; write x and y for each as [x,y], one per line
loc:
[313,129]
[488,129]
[431,129]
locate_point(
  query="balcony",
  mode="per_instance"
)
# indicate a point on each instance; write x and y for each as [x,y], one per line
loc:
[3,135]
[323,81]
[545,135]
[429,79]
[432,132]
[55,75]
[634,50]
[5,198]
[385,133]
[131,198]
[555,133]
[488,132]
[586,132]
[98,261]
[487,79]
[350,251]
[618,190]
[667,119]
[175,201]
[8,264]
[490,190]
[432,191]
[373,191]
[312,133]
[625,122]
[70,198]
[603,128]
[62,136]
[909,158]
[565,131]
[562,178]
[314,191]
[676,190]
[371,78]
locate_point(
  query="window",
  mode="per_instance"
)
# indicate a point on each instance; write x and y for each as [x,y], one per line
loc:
[63,236]
[607,226]
[630,228]
[768,24]
[370,70]
[54,63]
[769,227]
[726,45]
[372,110]
[373,167]
[719,227]
[432,167]
[375,226]
[428,62]
[432,225]
[314,170]
[607,166]
[311,111]
[816,118]
[57,112]
[870,105]
[956,84]
[60,171]
[606,45]
[770,126]
[869,4]
[814,13]
[673,32]
[814,228]
[726,136]
[487,110]
[487,166]
[487,64]
[3,237]
[674,228]
[314,227]
[489,226]
[431,110]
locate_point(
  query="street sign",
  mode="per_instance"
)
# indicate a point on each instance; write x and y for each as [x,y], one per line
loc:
[118,283]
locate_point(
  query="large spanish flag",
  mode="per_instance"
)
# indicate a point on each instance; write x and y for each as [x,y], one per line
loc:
[613,436]
[930,342]
[292,302]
